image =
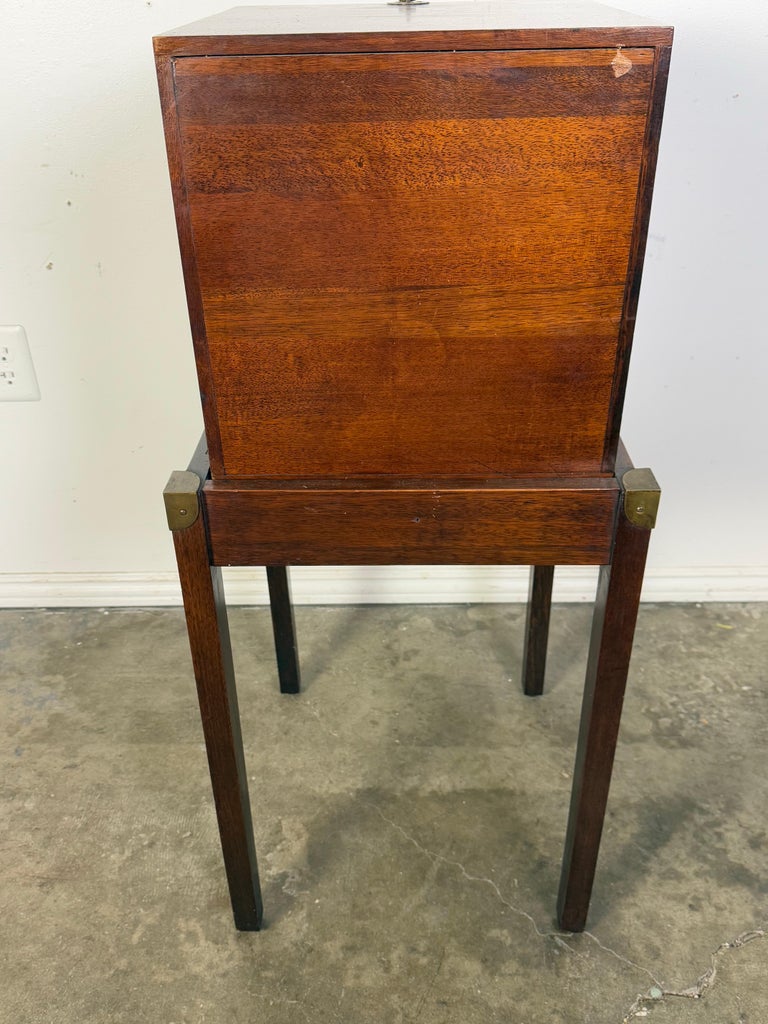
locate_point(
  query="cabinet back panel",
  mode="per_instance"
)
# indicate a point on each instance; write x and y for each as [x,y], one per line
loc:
[412,263]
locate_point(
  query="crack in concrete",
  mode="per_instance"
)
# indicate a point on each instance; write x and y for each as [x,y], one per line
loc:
[702,984]
[629,963]
[557,937]
[639,1007]
[439,858]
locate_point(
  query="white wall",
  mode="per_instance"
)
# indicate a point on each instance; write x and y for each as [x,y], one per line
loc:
[89,265]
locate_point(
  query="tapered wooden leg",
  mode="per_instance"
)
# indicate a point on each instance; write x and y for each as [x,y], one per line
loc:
[284,628]
[212,659]
[613,628]
[537,629]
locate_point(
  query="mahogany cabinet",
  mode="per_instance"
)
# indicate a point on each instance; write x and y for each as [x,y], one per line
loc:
[412,239]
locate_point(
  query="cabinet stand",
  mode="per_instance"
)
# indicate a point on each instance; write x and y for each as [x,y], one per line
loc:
[603,521]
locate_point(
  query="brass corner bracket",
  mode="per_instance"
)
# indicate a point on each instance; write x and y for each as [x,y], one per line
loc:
[182,504]
[641,497]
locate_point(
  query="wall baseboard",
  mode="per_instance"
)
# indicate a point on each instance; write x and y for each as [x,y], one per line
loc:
[373,585]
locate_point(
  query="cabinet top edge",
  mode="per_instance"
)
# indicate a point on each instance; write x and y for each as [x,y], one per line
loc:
[480,24]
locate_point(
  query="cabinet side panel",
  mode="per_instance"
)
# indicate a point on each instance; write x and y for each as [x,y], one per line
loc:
[164,66]
[413,263]
[637,255]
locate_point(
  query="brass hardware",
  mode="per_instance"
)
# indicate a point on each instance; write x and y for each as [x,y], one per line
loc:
[641,497]
[182,506]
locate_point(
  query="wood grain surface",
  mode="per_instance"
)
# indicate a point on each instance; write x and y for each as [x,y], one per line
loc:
[362,27]
[565,523]
[412,246]
[412,263]
[610,649]
[211,650]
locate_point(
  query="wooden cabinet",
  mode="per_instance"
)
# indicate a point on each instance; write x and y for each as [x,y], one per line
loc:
[412,239]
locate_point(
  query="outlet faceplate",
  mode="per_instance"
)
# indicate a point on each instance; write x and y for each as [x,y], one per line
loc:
[18,382]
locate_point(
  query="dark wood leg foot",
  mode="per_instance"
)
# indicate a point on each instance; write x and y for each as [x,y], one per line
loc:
[537,629]
[212,659]
[613,628]
[284,628]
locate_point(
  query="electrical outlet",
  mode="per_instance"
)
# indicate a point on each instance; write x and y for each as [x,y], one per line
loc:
[18,382]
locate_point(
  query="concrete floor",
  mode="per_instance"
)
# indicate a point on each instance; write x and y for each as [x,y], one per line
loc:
[410,810]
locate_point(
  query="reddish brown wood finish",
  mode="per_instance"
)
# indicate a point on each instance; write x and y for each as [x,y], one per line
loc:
[208,631]
[613,629]
[363,42]
[250,525]
[637,252]
[412,262]
[365,28]
[186,247]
